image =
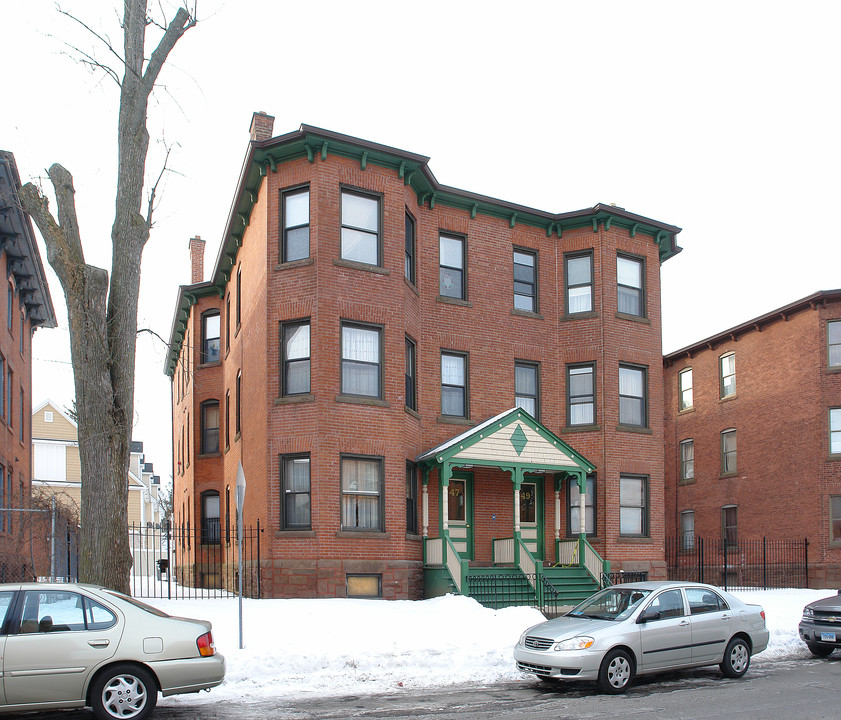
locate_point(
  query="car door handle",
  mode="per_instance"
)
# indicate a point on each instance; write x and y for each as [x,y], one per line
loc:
[725,616]
[684,623]
[98,643]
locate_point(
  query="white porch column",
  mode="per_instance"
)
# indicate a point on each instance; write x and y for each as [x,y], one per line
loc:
[425,511]
[557,514]
[444,474]
[516,508]
[582,504]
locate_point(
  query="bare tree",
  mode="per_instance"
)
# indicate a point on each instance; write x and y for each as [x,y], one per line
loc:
[102,316]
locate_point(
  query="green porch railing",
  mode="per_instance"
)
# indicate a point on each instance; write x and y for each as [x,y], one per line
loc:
[580,552]
[441,551]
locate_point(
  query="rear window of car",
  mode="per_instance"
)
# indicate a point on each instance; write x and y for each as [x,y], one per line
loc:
[702,600]
[140,605]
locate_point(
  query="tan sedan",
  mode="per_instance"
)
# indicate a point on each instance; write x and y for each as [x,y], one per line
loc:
[71,646]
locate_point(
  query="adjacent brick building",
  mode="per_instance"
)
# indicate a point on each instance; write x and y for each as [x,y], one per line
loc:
[753,441]
[26,307]
[360,316]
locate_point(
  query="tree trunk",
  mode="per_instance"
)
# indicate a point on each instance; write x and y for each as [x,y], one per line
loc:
[103,318]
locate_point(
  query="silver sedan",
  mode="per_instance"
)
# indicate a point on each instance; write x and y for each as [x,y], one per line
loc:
[70,646]
[641,628]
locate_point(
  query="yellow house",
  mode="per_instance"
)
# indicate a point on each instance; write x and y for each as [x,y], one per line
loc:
[56,471]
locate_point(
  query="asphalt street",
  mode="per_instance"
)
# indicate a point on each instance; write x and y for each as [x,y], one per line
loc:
[806,689]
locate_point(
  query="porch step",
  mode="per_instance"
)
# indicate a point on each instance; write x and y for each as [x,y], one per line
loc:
[571,585]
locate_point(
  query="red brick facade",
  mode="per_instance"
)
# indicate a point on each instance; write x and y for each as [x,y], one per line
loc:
[327,424]
[25,305]
[785,474]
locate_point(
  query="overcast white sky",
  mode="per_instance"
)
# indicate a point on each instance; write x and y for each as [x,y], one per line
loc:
[719,117]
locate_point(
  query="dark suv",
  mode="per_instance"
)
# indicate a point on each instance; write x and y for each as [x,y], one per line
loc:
[820,627]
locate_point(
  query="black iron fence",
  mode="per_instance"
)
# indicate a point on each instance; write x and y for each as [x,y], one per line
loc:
[174,561]
[760,564]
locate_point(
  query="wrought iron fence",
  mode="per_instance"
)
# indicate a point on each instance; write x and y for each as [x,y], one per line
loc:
[621,576]
[194,562]
[501,590]
[750,564]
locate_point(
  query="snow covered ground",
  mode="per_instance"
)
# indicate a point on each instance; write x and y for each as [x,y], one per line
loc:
[301,648]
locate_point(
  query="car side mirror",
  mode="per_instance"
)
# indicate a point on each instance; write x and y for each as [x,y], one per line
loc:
[648,614]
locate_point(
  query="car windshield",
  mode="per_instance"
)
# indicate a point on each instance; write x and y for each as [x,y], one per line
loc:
[615,603]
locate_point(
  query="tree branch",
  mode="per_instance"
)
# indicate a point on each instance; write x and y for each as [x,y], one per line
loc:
[103,39]
[182,22]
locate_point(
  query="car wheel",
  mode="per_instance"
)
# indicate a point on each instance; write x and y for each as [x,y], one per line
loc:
[616,672]
[127,692]
[736,659]
[819,650]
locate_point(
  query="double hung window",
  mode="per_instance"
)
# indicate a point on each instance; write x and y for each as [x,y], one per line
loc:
[578,282]
[454,384]
[295,340]
[360,228]
[411,390]
[295,209]
[209,427]
[525,280]
[630,285]
[362,487]
[835,431]
[633,505]
[210,329]
[633,392]
[527,388]
[295,492]
[581,394]
[685,400]
[361,360]
[574,506]
[727,369]
[728,451]
[452,278]
[833,341]
[687,460]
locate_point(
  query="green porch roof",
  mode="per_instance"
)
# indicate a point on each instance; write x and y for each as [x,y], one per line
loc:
[512,438]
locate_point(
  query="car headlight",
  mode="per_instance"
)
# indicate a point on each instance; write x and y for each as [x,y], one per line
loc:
[808,613]
[582,642]
[522,640]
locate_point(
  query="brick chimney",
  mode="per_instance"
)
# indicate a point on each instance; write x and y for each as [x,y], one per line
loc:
[196,246]
[262,126]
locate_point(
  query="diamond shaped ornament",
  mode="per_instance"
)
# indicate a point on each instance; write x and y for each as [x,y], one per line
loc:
[519,440]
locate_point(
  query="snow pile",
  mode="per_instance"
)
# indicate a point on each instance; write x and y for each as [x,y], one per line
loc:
[300,648]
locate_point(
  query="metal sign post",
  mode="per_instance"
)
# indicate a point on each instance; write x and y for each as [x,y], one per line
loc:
[240,501]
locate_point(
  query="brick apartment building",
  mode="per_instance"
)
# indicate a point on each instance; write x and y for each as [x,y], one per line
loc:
[753,441]
[27,306]
[374,346]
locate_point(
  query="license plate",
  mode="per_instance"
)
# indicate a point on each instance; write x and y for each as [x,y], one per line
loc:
[827,637]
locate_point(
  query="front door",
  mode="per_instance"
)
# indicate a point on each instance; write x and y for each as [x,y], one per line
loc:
[531,515]
[460,513]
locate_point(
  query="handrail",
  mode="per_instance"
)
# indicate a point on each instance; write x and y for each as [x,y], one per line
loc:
[527,565]
[593,562]
[454,563]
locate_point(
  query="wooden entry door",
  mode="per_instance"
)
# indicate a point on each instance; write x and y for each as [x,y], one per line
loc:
[460,513]
[531,516]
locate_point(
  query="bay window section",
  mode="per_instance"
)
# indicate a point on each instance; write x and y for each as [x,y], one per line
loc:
[295,353]
[578,282]
[361,360]
[411,389]
[727,369]
[633,506]
[581,394]
[633,404]
[211,530]
[360,228]
[295,206]
[362,494]
[630,286]
[295,492]
[409,260]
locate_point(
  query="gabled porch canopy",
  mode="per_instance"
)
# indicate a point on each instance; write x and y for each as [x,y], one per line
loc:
[512,441]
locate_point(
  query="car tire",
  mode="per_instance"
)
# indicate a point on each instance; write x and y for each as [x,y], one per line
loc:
[616,672]
[736,658]
[820,650]
[124,692]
